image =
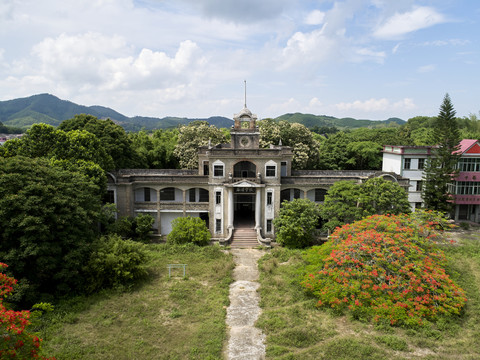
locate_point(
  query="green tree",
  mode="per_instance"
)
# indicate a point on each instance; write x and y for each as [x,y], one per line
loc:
[441,166]
[296,223]
[342,204]
[297,136]
[189,230]
[347,201]
[155,151]
[112,137]
[381,196]
[191,137]
[48,218]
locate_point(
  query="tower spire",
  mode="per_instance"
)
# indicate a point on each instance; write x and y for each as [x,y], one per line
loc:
[245,85]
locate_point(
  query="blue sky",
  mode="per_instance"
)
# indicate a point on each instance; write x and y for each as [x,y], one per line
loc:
[367,59]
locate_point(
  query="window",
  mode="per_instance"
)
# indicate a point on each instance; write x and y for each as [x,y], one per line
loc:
[421,164]
[269,226]
[218,170]
[283,169]
[109,197]
[406,163]
[269,198]
[218,197]
[218,226]
[191,195]
[146,194]
[167,194]
[419,185]
[271,171]
[203,195]
[469,164]
[296,193]
[320,195]
[205,168]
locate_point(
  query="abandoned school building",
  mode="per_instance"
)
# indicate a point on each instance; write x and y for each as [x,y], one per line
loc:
[237,189]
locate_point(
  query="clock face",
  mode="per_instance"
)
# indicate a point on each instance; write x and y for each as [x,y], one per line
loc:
[244,141]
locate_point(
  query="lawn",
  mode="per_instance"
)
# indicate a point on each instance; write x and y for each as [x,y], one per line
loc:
[162,318]
[296,329]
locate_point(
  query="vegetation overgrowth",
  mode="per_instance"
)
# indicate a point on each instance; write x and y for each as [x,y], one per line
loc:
[161,317]
[17,341]
[297,329]
[386,268]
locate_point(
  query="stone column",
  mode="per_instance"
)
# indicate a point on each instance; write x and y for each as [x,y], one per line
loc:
[257,208]
[184,202]
[159,220]
[230,207]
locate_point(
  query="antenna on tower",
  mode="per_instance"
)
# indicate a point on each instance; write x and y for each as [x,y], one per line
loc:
[245,104]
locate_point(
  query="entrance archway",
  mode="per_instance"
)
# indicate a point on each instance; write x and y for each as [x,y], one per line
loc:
[244,169]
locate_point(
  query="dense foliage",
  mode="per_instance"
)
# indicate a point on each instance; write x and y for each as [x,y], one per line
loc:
[296,223]
[191,137]
[16,340]
[347,201]
[47,221]
[112,137]
[114,262]
[386,268]
[189,230]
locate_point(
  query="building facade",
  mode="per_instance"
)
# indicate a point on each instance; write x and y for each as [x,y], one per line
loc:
[236,185]
[409,162]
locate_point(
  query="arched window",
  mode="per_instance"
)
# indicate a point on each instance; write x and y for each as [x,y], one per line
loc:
[244,169]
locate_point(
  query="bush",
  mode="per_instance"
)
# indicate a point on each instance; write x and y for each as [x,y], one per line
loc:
[189,230]
[115,262]
[296,223]
[136,228]
[385,268]
[15,340]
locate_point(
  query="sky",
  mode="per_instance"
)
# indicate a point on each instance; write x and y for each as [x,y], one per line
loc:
[366,59]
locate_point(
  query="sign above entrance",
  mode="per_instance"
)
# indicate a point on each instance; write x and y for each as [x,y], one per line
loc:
[244,190]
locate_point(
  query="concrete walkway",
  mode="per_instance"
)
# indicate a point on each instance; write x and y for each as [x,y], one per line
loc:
[245,342]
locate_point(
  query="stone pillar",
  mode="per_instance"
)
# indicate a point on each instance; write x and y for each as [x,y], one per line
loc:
[305,194]
[230,205]
[184,193]
[257,208]
[159,220]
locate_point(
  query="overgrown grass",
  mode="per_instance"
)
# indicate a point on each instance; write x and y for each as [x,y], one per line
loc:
[296,329]
[162,318]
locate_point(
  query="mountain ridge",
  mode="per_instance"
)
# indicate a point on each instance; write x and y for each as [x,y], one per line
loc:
[49,109]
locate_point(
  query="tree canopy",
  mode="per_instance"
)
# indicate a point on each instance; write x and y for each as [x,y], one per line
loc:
[47,220]
[191,137]
[347,201]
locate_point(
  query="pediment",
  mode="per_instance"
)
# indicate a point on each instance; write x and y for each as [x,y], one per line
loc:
[245,183]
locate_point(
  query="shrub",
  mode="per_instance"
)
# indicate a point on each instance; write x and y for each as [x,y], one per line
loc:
[115,262]
[386,268]
[296,223]
[136,228]
[15,340]
[189,230]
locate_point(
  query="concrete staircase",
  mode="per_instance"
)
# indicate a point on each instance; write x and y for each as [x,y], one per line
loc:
[244,238]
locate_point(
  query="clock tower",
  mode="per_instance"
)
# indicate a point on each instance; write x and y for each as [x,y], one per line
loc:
[245,133]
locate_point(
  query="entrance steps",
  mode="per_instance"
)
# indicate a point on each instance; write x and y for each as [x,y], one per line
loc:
[244,238]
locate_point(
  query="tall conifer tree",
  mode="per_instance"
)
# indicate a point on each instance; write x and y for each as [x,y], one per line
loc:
[441,167]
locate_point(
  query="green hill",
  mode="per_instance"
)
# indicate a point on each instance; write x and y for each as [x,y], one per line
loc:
[49,109]
[310,120]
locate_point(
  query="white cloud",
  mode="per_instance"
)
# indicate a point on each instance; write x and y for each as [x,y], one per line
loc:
[454,42]
[375,105]
[315,17]
[395,48]
[400,24]
[426,68]
[289,106]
